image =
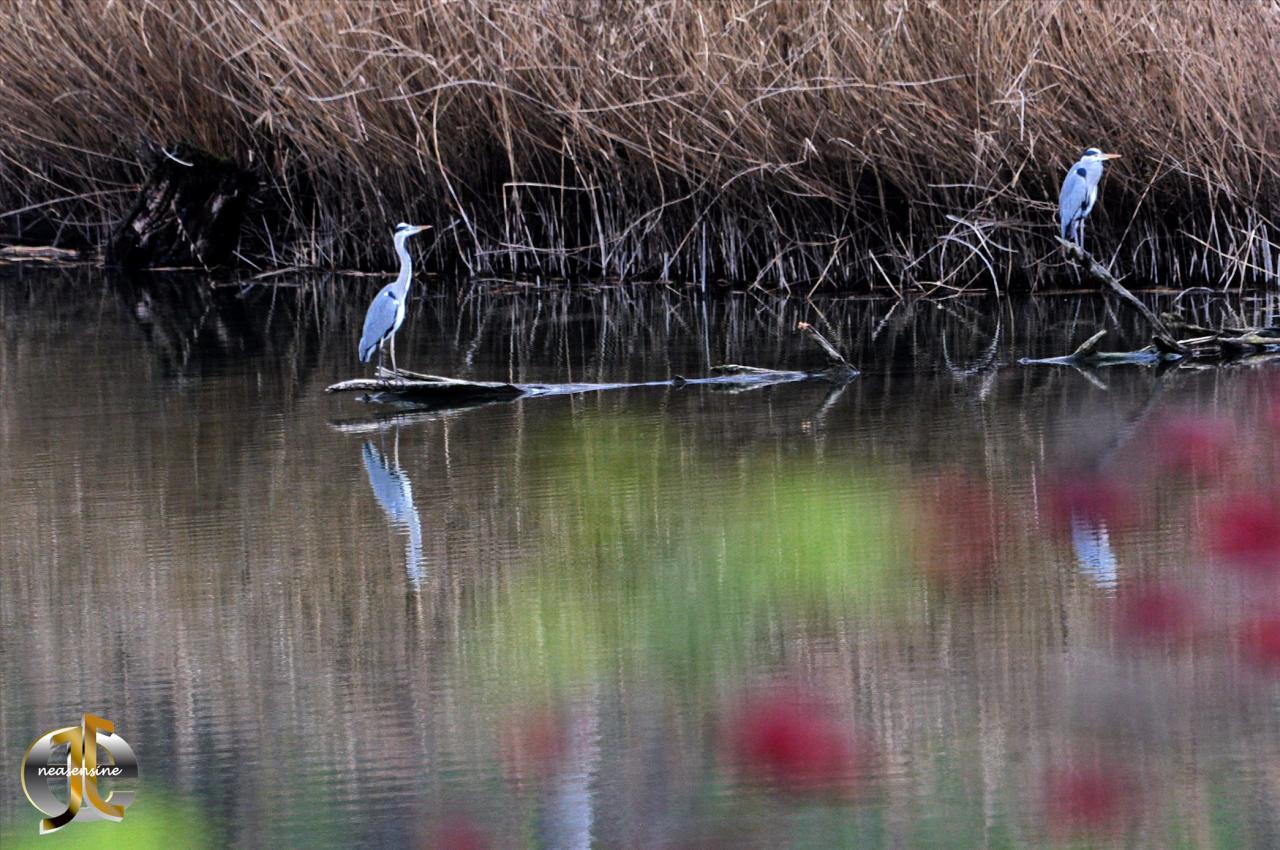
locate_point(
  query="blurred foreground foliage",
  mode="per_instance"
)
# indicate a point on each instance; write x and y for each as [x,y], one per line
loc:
[654,558]
[155,821]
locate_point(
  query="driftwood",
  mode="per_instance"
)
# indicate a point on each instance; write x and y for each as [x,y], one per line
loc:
[39,253]
[1095,270]
[1087,354]
[439,392]
[1207,345]
[1253,347]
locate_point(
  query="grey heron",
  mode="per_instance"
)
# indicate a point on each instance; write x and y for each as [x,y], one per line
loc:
[386,312]
[1079,192]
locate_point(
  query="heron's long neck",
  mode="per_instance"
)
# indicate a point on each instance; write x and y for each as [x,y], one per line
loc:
[406,266]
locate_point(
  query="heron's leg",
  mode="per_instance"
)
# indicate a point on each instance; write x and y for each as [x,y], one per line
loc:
[391,341]
[1080,233]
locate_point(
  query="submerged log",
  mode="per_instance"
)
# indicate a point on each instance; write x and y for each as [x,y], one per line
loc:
[1230,346]
[834,357]
[39,253]
[413,386]
[1087,354]
[188,213]
[439,391]
[433,389]
[1209,345]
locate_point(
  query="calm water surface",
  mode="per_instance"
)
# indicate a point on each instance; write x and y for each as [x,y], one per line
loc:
[958,602]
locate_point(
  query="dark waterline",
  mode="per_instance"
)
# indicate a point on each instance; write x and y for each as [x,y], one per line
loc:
[318,626]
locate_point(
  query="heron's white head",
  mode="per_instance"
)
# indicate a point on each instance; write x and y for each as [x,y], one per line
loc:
[1095,155]
[405,230]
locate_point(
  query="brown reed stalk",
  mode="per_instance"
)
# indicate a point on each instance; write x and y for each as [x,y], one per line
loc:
[785,143]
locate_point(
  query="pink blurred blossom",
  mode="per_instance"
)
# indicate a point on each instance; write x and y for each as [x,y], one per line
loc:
[1086,799]
[533,742]
[1155,614]
[458,832]
[955,530]
[1191,443]
[1260,643]
[792,742]
[1243,530]
[1092,497]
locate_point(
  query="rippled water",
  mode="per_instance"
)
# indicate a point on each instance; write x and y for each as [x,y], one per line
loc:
[957,602]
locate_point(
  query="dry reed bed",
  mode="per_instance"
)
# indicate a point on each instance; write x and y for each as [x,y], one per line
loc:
[797,144]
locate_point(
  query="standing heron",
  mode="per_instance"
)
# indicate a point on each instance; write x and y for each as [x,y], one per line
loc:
[386,313]
[1079,192]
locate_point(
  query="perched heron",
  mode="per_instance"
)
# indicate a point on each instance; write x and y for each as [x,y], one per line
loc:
[386,313]
[1079,192]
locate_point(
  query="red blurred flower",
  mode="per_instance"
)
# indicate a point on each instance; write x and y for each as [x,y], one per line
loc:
[955,533]
[790,741]
[1244,531]
[1088,799]
[1191,443]
[1155,614]
[1273,415]
[458,832]
[1260,643]
[1093,498]
[534,742]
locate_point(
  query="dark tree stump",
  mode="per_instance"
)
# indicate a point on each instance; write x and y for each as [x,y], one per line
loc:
[188,213]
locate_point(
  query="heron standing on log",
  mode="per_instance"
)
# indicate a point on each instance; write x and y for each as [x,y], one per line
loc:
[386,313]
[1079,192]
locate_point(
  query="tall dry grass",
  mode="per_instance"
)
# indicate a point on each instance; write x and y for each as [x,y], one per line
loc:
[802,144]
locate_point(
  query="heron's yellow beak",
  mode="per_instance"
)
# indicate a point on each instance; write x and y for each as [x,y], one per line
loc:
[1111,156]
[418,228]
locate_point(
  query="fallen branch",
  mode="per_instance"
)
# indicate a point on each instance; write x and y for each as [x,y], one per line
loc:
[412,385]
[1233,345]
[1209,344]
[833,354]
[440,391]
[40,253]
[1093,269]
[1088,355]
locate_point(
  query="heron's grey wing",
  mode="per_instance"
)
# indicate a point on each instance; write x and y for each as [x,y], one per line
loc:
[1092,173]
[1091,200]
[1073,199]
[379,321]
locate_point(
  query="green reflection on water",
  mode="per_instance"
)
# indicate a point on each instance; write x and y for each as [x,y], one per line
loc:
[658,557]
[155,820]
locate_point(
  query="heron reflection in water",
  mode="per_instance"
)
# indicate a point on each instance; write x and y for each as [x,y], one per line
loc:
[394,493]
[1094,555]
